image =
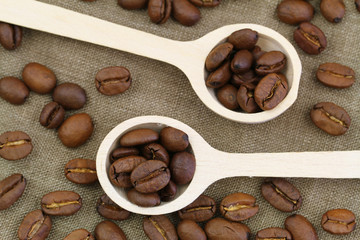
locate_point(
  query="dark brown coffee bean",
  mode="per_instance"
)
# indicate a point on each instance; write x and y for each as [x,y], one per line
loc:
[300,228]
[310,38]
[10,36]
[335,75]
[189,230]
[281,194]
[159,228]
[76,130]
[202,209]
[159,10]
[39,78]
[120,170]
[221,229]
[185,12]
[330,118]
[182,167]
[36,225]
[173,139]
[11,189]
[270,62]
[295,12]
[133,4]
[15,145]
[332,10]
[168,193]
[81,171]
[13,90]
[143,199]
[218,55]
[113,80]
[139,137]
[246,100]
[244,78]
[338,221]
[52,115]
[257,52]
[227,96]
[155,151]
[205,3]
[244,39]
[242,61]
[108,209]
[61,203]
[273,234]
[271,90]
[123,152]
[238,207]
[357,5]
[107,230]
[220,76]
[80,234]
[70,95]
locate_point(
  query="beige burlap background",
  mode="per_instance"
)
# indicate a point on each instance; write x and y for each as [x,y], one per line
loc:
[161,89]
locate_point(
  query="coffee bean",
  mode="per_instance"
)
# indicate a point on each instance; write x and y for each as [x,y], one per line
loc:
[281,194]
[221,229]
[108,209]
[70,95]
[338,221]
[227,96]
[335,75]
[241,61]
[274,234]
[357,5]
[159,10]
[61,203]
[189,230]
[310,38]
[80,234]
[120,170]
[133,4]
[159,227]
[205,3]
[13,90]
[107,230]
[295,12]
[270,62]
[123,152]
[244,39]
[52,115]
[185,12]
[238,207]
[246,100]
[39,78]
[15,145]
[143,199]
[155,151]
[220,76]
[76,130]
[168,193]
[139,137]
[182,167]
[218,55]
[36,225]
[81,171]
[11,189]
[202,209]
[113,80]
[173,139]
[332,10]
[10,36]
[271,90]
[300,228]
[257,52]
[330,118]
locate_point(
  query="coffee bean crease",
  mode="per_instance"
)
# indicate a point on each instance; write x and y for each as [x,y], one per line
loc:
[80,170]
[152,175]
[35,228]
[284,194]
[58,205]
[312,38]
[14,143]
[342,123]
[160,230]
[336,74]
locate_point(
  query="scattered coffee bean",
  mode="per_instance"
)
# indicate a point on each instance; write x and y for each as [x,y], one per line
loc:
[217,56]
[238,207]
[39,78]
[220,76]
[61,203]
[143,199]
[108,209]
[246,100]
[189,230]
[133,4]
[155,151]
[139,137]
[10,36]
[80,234]
[332,10]
[273,234]
[173,139]
[221,229]
[120,170]
[70,95]
[270,62]
[107,230]
[338,221]
[159,10]
[81,171]
[159,227]
[52,115]
[11,189]
[335,75]
[295,12]
[205,3]
[244,39]
[227,96]
[185,12]
[36,225]
[168,193]
[182,167]
[113,80]
[300,228]
[202,209]
[241,61]
[13,90]
[15,145]
[310,38]
[123,152]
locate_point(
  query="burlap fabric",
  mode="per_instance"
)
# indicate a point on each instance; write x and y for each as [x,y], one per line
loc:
[161,89]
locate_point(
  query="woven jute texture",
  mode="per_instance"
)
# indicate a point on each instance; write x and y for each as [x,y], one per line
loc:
[162,89]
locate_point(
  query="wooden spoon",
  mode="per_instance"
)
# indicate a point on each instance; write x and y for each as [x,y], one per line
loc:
[188,56]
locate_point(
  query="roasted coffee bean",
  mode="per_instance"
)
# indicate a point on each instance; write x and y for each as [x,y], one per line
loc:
[300,228]
[335,75]
[52,115]
[10,36]
[70,95]
[202,209]
[81,171]
[13,90]
[220,76]
[182,167]
[271,90]
[246,100]
[330,118]
[185,12]
[80,234]
[242,61]
[257,52]
[357,5]
[120,170]
[332,10]
[338,221]
[155,151]
[205,3]
[270,62]
[159,227]
[221,229]
[159,10]
[218,55]
[61,203]
[11,189]
[227,96]
[244,78]
[295,12]
[107,230]
[168,193]
[133,4]
[238,207]
[310,38]
[36,225]
[150,176]
[281,194]
[123,152]
[173,139]
[139,137]
[244,39]
[143,199]
[76,130]
[108,209]
[113,80]
[15,145]
[273,234]
[39,78]
[189,230]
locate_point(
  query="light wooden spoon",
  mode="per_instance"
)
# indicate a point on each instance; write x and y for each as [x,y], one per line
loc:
[188,56]
[212,165]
